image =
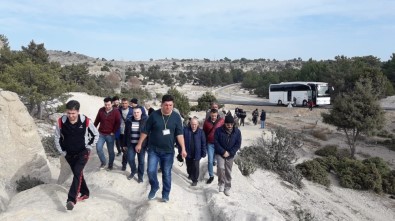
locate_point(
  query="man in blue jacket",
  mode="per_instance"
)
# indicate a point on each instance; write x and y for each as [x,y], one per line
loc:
[195,145]
[227,141]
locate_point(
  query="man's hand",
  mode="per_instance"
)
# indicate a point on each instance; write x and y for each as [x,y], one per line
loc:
[138,148]
[226,154]
[183,153]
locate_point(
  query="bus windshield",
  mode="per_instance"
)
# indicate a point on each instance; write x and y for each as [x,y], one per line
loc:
[323,91]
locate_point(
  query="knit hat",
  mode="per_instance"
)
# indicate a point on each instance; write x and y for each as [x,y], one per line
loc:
[134,100]
[229,119]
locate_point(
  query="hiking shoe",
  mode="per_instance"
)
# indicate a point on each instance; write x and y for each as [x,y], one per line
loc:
[102,166]
[221,188]
[165,199]
[70,205]
[227,192]
[152,194]
[123,167]
[210,180]
[131,176]
[194,184]
[82,198]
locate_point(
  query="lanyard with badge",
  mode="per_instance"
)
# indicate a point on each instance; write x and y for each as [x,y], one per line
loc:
[166,131]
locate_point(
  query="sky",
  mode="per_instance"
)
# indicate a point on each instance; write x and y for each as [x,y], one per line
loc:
[131,30]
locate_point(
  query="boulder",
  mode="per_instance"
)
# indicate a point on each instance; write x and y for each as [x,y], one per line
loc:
[22,153]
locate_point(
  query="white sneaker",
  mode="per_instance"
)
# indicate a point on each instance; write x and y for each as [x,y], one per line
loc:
[227,192]
[221,188]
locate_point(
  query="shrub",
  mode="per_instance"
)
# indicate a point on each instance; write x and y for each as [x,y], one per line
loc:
[319,135]
[25,183]
[314,171]
[389,182]
[328,163]
[328,150]
[276,153]
[357,175]
[246,167]
[48,143]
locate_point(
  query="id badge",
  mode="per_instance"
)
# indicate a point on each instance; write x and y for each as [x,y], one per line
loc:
[166,132]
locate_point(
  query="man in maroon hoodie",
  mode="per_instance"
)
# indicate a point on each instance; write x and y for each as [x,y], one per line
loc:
[209,126]
[109,119]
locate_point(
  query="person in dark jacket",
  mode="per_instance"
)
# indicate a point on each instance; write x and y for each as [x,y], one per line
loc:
[109,120]
[75,135]
[126,113]
[133,128]
[263,118]
[195,145]
[227,141]
[134,104]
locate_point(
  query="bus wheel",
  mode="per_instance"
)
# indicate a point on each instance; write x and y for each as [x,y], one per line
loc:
[304,103]
[279,102]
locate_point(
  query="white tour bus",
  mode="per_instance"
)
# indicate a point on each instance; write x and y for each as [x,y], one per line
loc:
[299,93]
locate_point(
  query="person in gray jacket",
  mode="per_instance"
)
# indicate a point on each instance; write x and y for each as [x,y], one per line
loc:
[75,135]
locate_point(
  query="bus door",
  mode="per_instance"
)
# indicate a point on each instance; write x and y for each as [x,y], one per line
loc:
[289,96]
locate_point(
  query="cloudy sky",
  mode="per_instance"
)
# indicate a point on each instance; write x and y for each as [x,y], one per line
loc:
[214,29]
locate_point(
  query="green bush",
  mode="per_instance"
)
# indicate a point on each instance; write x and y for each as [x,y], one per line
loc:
[25,183]
[246,167]
[328,150]
[276,154]
[328,163]
[355,174]
[48,143]
[314,171]
[389,182]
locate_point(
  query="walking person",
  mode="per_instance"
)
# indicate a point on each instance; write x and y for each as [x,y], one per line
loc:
[195,145]
[75,135]
[243,115]
[116,105]
[209,127]
[214,105]
[109,120]
[134,104]
[133,129]
[255,115]
[126,114]
[227,142]
[163,127]
[263,119]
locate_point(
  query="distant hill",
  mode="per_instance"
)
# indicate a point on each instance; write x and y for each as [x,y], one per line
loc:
[173,66]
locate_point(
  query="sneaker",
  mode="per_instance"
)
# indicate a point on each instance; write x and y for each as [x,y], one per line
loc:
[82,198]
[70,205]
[214,163]
[165,199]
[221,188]
[119,154]
[140,181]
[227,192]
[123,167]
[102,166]
[152,194]
[131,176]
[189,177]
[109,168]
[210,180]
[194,184]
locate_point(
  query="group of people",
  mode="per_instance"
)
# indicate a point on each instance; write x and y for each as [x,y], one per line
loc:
[126,125]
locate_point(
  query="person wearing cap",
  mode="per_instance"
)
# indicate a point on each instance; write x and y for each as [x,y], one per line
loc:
[227,141]
[134,104]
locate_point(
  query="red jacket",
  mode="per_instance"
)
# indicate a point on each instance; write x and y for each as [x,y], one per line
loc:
[209,128]
[109,122]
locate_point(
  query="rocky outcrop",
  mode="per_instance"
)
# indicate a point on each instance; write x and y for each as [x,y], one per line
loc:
[21,151]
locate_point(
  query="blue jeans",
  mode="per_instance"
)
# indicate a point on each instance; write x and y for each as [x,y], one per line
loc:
[140,158]
[262,124]
[165,161]
[109,140]
[210,154]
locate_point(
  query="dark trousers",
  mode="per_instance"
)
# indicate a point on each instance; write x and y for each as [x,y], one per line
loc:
[118,144]
[77,163]
[193,168]
[124,152]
